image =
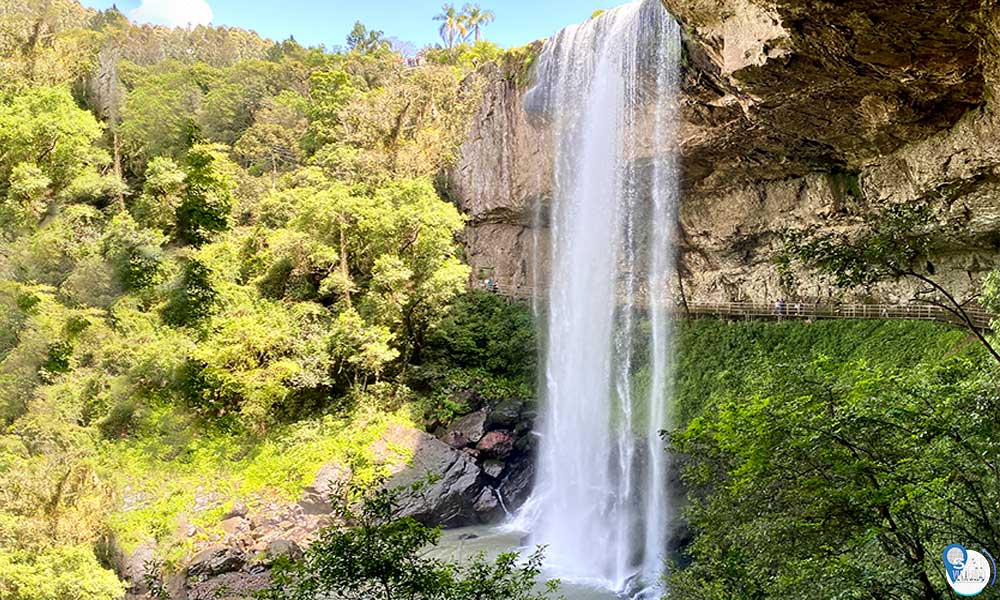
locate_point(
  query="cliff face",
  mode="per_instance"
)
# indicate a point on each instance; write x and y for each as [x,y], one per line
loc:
[793,113]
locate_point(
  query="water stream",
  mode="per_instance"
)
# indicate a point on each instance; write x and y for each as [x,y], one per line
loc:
[608,90]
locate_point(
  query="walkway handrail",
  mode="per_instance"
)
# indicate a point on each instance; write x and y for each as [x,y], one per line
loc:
[981,319]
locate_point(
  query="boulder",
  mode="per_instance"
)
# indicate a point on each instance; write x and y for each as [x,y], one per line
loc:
[471,427]
[235,525]
[455,439]
[488,506]
[137,565]
[493,468]
[229,586]
[505,415]
[239,509]
[215,560]
[516,487]
[316,496]
[526,444]
[469,397]
[282,549]
[455,485]
[496,444]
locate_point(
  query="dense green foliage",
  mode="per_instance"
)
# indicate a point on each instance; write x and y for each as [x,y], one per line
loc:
[484,330]
[56,575]
[833,459]
[223,262]
[382,557]
[717,358]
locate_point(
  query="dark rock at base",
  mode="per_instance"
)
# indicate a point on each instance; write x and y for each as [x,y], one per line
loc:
[471,427]
[496,444]
[493,468]
[505,416]
[529,412]
[235,526]
[449,499]
[229,586]
[488,506]
[134,568]
[526,444]
[516,487]
[455,439]
[215,560]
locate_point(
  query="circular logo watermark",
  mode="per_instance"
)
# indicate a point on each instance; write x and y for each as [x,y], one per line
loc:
[968,572]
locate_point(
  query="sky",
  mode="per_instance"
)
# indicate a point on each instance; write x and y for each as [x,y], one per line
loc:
[315,22]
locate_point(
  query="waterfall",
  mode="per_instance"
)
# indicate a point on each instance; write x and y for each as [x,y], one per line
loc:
[608,89]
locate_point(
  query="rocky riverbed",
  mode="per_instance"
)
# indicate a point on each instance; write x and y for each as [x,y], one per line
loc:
[477,467]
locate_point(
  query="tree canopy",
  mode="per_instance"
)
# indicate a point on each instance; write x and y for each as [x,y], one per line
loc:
[206,232]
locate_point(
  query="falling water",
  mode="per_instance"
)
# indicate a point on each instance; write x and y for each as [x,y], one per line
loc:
[607,88]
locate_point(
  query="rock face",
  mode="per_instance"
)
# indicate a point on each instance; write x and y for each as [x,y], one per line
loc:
[498,179]
[476,469]
[450,480]
[793,113]
[215,561]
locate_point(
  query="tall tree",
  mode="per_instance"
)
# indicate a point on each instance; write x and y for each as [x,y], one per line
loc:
[366,41]
[453,26]
[476,18]
[208,195]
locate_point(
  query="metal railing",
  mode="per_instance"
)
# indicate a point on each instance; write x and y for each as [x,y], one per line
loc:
[808,311]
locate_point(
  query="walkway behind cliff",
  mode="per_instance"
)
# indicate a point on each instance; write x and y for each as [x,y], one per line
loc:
[807,311]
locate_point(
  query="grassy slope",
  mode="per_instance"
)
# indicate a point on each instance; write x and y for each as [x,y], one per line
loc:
[177,474]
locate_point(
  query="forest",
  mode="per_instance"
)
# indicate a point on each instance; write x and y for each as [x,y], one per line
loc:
[223,261]
[226,261]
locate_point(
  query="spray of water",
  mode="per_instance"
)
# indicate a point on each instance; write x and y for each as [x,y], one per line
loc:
[608,90]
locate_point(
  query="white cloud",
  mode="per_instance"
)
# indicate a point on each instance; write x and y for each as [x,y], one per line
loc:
[173,13]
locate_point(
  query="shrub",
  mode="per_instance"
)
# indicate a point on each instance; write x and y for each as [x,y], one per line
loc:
[485,331]
[57,574]
[383,557]
[135,252]
[192,299]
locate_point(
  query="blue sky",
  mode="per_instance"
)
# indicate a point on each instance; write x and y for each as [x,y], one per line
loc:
[327,22]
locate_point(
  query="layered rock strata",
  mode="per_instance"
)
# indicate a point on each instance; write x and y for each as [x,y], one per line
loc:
[794,113]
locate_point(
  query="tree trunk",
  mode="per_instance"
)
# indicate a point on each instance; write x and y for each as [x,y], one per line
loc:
[344,271]
[116,143]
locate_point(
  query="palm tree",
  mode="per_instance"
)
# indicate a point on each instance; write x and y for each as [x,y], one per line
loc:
[452,24]
[476,18]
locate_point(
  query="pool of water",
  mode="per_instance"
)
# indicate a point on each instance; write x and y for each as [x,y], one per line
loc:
[463,544]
